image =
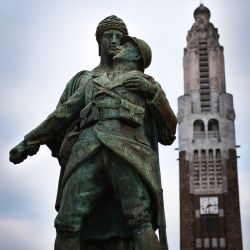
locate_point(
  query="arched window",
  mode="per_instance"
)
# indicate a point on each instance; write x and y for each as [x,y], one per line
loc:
[199,126]
[213,129]
[199,129]
[213,125]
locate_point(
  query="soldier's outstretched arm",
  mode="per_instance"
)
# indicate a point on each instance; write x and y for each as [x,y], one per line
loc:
[20,152]
[58,120]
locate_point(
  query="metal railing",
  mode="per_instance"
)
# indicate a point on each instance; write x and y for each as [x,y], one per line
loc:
[199,135]
[213,134]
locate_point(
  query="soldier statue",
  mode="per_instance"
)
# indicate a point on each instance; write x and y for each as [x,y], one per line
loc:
[105,132]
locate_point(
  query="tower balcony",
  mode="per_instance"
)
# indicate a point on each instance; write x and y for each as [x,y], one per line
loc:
[213,134]
[199,135]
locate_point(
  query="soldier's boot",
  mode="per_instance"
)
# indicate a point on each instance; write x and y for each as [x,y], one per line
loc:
[67,241]
[147,240]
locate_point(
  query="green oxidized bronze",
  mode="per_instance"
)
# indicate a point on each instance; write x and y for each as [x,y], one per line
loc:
[105,132]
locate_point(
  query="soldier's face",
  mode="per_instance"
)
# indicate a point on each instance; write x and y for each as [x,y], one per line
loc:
[110,42]
[128,52]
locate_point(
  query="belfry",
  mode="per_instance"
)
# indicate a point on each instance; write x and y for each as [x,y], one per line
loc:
[209,195]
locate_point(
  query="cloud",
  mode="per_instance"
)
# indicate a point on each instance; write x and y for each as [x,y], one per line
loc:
[27,194]
[22,235]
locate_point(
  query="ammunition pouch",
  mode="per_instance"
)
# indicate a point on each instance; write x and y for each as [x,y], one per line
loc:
[131,113]
[126,111]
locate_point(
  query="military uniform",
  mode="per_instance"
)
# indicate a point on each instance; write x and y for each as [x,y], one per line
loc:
[115,148]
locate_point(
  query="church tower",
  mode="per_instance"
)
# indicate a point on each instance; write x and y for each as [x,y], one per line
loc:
[209,195]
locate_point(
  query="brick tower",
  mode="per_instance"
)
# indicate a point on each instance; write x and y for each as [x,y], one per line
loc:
[209,195]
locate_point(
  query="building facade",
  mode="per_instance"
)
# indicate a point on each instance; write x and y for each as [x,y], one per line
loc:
[209,195]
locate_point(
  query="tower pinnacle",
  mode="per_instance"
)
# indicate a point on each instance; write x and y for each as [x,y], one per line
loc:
[202,10]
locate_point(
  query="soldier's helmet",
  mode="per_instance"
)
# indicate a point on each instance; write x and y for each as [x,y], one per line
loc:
[144,49]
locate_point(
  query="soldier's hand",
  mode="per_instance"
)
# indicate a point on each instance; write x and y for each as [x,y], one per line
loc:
[18,153]
[140,84]
[32,150]
[166,137]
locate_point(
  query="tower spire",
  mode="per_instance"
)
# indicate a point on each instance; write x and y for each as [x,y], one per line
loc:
[209,195]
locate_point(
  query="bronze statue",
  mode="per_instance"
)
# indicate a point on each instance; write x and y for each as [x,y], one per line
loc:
[105,132]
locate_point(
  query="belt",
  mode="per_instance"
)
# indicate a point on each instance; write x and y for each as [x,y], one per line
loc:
[127,112]
[99,114]
[108,113]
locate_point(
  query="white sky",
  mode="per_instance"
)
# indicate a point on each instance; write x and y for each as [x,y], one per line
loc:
[44,43]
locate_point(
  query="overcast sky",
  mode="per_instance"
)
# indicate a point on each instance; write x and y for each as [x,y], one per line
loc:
[44,43]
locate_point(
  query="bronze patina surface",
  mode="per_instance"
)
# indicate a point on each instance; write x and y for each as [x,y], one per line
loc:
[105,132]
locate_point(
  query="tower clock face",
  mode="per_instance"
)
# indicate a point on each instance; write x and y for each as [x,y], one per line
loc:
[209,205]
